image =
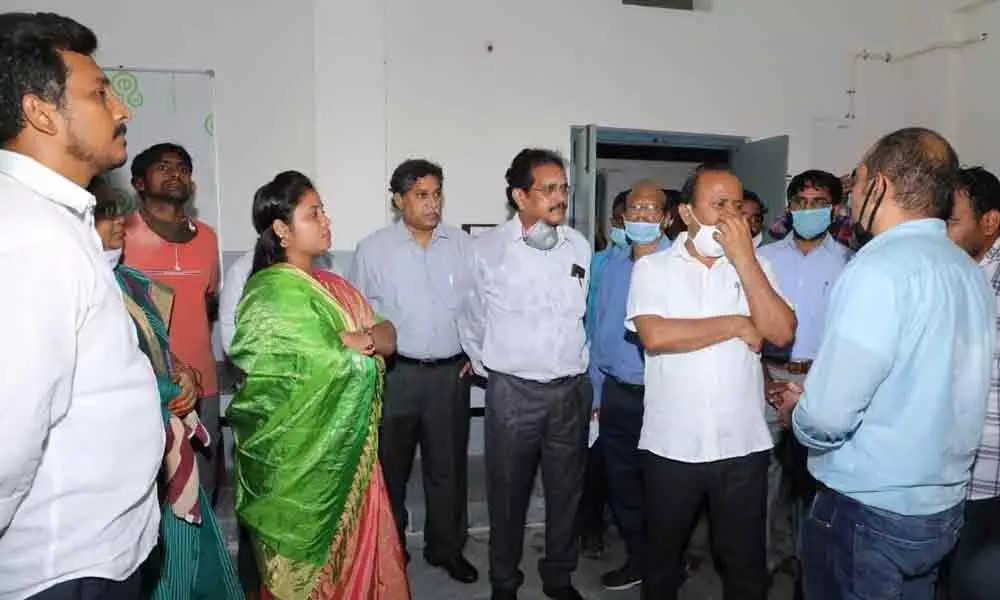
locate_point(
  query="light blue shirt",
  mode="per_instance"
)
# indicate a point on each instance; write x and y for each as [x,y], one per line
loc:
[523,314]
[615,351]
[806,280]
[893,407]
[419,289]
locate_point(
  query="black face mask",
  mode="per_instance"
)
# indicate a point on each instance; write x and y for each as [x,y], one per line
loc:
[862,234]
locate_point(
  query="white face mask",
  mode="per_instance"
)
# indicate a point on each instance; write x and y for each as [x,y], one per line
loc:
[113,257]
[758,240]
[704,241]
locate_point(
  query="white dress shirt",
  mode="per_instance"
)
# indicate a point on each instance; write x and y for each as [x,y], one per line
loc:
[705,405]
[233,283]
[80,421]
[523,314]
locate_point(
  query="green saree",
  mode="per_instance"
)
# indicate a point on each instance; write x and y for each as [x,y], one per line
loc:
[308,485]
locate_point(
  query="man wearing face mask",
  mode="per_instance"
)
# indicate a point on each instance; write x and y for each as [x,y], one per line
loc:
[522,326]
[893,407]
[181,252]
[702,310]
[807,264]
[617,366]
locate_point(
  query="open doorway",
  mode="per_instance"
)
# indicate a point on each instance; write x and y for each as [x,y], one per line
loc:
[605,161]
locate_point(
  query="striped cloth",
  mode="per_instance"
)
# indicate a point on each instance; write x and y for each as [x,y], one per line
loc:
[180,466]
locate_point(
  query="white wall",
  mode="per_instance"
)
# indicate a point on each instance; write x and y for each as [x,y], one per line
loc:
[263,59]
[747,68]
[977,89]
[620,175]
[345,90]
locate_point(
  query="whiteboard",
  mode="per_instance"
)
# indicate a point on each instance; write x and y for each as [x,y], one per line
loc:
[171,106]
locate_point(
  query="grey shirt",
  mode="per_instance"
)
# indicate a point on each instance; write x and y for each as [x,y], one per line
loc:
[419,289]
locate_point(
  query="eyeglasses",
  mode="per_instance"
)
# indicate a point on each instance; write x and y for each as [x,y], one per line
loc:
[552,189]
[645,208]
[798,202]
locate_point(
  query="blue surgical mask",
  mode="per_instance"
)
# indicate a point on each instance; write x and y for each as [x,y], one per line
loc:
[617,235]
[812,223]
[642,233]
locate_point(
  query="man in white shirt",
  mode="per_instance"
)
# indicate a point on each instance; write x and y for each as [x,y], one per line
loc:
[81,426]
[523,325]
[702,310]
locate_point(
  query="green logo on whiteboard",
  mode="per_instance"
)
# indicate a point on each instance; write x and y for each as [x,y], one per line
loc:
[210,124]
[125,85]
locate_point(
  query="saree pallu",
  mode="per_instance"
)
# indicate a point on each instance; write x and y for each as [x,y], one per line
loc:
[309,488]
[194,561]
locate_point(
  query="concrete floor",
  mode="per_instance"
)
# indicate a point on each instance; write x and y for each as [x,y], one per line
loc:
[429,583]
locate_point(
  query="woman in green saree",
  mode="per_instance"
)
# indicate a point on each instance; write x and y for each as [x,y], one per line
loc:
[309,487]
[191,561]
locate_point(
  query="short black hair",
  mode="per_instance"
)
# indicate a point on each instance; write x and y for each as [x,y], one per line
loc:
[922,166]
[753,197]
[816,179]
[30,62]
[520,175]
[152,155]
[408,172]
[983,189]
[620,201]
[690,189]
[673,198]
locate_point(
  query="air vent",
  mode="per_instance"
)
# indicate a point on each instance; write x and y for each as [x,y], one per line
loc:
[674,4]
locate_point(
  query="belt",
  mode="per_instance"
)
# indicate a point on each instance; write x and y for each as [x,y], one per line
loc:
[795,367]
[632,387]
[430,362]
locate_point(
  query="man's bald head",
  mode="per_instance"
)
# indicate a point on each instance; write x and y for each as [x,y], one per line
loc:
[922,167]
[646,191]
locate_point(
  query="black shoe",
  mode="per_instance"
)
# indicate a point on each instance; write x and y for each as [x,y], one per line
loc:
[503,595]
[592,546]
[458,568]
[623,578]
[562,593]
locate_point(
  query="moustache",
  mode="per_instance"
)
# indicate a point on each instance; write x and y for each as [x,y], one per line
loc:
[121,130]
[560,206]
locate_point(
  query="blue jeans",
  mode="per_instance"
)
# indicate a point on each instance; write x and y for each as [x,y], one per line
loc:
[857,552]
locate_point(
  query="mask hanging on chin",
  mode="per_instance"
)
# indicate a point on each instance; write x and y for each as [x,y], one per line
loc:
[113,257]
[704,241]
[541,236]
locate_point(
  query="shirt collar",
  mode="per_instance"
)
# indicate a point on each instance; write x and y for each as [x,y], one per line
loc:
[828,243]
[928,226]
[404,234]
[992,255]
[46,182]
[625,252]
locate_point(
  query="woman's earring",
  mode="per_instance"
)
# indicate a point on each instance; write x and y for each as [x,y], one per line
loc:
[284,243]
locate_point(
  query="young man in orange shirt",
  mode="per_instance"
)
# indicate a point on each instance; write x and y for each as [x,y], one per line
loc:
[177,250]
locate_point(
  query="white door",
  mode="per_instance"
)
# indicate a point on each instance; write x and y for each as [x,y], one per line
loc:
[762,166]
[583,179]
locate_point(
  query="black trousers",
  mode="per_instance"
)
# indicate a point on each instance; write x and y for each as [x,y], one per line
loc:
[428,405]
[736,492]
[92,588]
[530,423]
[974,567]
[621,424]
[595,494]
